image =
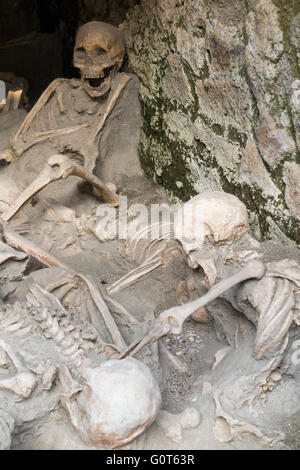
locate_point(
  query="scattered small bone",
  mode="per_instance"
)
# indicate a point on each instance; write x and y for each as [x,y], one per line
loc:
[219,356]
[49,377]
[191,337]
[67,243]
[275,376]
[173,425]
[190,418]
[169,426]
[21,384]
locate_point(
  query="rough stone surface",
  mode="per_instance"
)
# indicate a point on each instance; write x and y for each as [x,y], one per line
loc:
[220,100]
[292,193]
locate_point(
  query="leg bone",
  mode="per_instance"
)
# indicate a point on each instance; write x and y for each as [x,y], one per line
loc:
[171,320]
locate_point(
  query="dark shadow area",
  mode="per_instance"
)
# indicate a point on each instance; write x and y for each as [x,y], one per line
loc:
[37,36]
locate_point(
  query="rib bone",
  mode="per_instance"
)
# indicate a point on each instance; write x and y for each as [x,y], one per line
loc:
[171,320]
[20,243]
[89,159]
[37,108]
[134,275]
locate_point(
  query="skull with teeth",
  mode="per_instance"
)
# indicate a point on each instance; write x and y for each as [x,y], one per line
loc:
[98,53]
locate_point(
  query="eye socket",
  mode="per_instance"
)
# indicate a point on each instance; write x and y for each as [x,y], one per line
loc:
[80,52]
[100,51]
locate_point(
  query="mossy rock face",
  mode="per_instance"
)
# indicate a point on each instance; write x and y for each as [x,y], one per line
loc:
[219,91]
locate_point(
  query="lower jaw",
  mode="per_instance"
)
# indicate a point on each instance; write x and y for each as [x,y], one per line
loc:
[97,92]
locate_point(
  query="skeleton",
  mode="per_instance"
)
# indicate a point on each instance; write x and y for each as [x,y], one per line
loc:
[170,321]
[85,386]
[206,226]
[98,54]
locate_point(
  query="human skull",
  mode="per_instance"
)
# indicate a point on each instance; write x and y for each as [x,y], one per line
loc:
[214,217]
[98,53]
[118,401]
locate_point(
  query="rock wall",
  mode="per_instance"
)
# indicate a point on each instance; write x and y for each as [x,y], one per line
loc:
[111,11]
[220,95]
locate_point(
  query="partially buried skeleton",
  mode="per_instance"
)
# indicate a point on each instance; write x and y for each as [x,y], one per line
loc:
[72,117]
[79,119]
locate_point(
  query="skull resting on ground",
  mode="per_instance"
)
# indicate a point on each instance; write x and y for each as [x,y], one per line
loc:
[119,400]
[98,53]
[212,217]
